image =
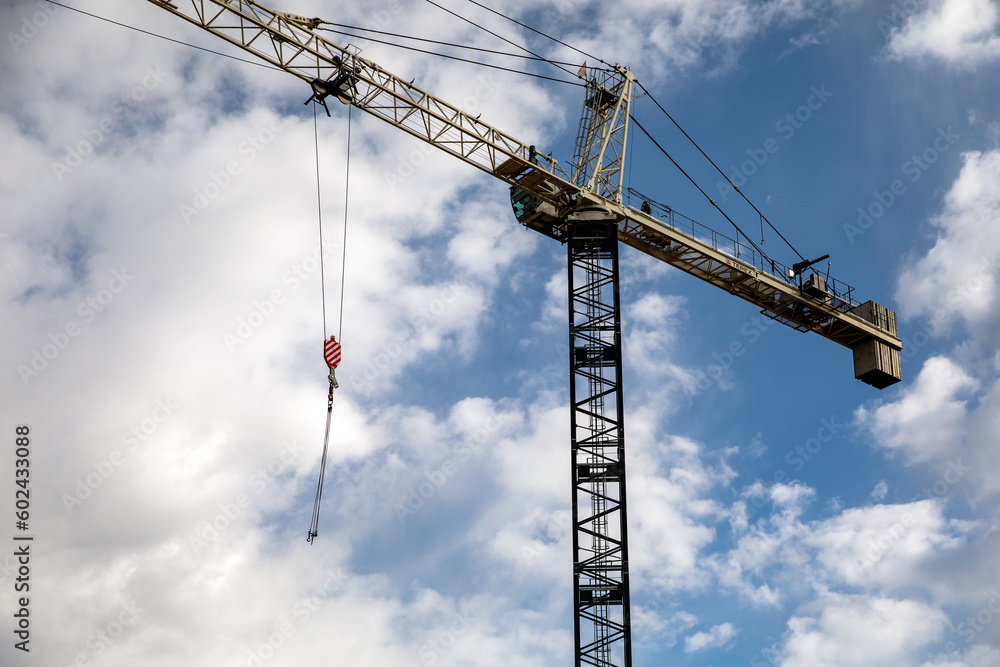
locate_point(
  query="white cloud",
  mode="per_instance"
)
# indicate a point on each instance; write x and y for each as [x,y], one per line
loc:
[488,241]
[861,631]
[976,656]
[670,513]
[201,524]
[947,417]
[959,32]
[780,558]
[651,627]
[716,637]
[956,279]
[884,547]
[769,547]
[792,498]
[928,421]
[652,325]
[662,38]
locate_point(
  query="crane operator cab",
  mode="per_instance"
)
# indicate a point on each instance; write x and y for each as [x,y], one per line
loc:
[536,214]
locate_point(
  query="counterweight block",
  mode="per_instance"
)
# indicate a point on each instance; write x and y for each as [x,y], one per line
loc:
[875,362]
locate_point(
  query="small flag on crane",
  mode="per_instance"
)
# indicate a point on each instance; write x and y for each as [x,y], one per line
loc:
[583,70]
[331,351]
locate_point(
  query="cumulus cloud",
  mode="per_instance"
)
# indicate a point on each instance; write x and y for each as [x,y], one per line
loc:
[161,226]
[715,637]
[781,556]
[661,38]
[956,279]
[161,287]
[884,547]
[861,631]
[670,509]
[959,32]
[976,656]
[948,413]
[928,421]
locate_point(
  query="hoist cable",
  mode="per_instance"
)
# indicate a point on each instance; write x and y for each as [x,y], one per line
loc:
[343,255]
[319,210]
[735,187]
[433,41]
[314,522]
[539,32]
[695,184]
[317,503]
[279,69]
[504,39]
[460,59]
[169,39]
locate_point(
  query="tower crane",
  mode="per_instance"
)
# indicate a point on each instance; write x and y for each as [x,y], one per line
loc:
[580,205]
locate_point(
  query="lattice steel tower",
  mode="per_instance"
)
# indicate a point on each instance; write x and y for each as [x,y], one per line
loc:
[597,429]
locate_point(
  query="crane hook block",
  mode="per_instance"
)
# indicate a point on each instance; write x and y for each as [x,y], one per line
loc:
[331,352]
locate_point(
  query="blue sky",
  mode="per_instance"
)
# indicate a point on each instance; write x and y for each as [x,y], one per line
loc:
[162,330]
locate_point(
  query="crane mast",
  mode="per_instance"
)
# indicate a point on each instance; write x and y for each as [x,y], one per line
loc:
[602,631]
[583,208]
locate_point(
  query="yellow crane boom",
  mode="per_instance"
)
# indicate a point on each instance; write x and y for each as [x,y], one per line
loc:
[291,43]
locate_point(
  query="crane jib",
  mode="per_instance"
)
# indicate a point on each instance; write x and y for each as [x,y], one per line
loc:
[289,43]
